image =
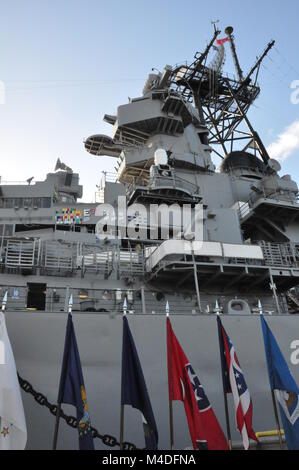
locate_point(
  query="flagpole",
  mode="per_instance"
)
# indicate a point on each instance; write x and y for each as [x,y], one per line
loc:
[229,438]
[122,424]
[171,427]
[228,431]
[276,418]
[58,412]
[260,308]
[122,407]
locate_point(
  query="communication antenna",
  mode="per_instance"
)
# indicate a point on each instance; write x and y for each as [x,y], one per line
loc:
[229,31]
[214,25]
[62,166]
[222,102]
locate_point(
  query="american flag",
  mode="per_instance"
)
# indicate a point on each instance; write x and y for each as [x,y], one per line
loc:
[239,389]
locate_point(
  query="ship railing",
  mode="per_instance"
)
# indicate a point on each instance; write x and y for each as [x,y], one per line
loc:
[91,258]
[285,196]
[123,261]
[55,257]
[280,254]
[20,253]
[175,182]
[108,177]
[9,183]
[60,257]
[89,300]
[275,254]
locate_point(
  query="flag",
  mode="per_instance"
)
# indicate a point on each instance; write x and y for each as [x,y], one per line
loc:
[221,41]
[185,386]
[284,386]
[13,431]
[234,382]
[133,387]
[72,388]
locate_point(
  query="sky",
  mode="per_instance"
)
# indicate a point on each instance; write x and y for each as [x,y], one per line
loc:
[65,63]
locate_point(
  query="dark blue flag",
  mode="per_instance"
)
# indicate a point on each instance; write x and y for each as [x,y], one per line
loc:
[285,387]
[72,389]
[225,375]
[133,387]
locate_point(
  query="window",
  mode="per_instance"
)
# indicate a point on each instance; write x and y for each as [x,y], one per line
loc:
[46,202]
[37,202]
[18,202]
[27,202]
[8,203]
[8,230]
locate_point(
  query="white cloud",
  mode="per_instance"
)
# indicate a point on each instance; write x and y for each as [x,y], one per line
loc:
[286,143]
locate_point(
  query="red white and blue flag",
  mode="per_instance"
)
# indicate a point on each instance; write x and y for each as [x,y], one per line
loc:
[234,382]
[184,385]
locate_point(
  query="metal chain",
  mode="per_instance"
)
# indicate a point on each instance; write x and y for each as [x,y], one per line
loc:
[42,400]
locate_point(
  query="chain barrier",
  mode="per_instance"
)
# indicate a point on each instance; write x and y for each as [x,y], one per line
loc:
[42,400]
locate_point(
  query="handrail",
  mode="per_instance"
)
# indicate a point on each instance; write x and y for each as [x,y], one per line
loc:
[273,433]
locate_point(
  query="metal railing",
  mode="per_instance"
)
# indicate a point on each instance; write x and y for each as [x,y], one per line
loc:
[174,182]
[88,300]
[54,257]
[285,196]
[280,254]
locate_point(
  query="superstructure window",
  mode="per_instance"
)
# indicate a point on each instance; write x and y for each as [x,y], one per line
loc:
[46,202]
[7,202]
[26,203]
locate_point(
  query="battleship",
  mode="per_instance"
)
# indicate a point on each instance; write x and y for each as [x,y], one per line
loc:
[107,254]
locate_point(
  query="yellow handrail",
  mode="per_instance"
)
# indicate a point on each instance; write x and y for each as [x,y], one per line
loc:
[269,433]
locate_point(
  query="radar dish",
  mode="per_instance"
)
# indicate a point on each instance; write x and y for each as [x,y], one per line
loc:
[274,165]
[62,166]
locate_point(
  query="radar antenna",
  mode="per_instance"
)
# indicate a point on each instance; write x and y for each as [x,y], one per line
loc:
[62,166]
[229,31]
[222,102]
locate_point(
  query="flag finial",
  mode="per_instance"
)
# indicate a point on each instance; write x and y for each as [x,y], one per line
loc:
[70,304]
[260,307]
[125,306]
[217,308]
[4,302]
[167,309]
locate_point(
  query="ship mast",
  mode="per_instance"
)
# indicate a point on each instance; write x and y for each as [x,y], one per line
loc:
[229,31]
[223,102]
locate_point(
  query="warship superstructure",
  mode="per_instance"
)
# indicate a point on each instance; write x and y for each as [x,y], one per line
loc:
[110,251]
